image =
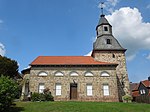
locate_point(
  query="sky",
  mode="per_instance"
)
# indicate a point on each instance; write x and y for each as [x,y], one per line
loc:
[31,28]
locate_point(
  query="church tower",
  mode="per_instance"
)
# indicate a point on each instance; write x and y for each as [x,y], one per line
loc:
[106,48]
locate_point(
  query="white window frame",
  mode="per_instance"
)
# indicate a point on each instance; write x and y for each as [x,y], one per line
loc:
[143,91]
[105,74]
[58,89]
[41,87]
[106,90]
[74,74]
[59,74]
[89,89]
[42,74]
[89,74]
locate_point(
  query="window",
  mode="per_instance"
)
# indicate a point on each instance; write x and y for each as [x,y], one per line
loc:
[105,28]
[113,55]
[90,74]
[106,90]
[89,89]
[58,89]
[42,74]
[108,41]
[73,74]
[105,74]
[143,91]
[41,87]
[59,74]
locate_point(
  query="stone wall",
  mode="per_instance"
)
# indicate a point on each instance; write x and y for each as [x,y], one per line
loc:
[96,80]
[121,70]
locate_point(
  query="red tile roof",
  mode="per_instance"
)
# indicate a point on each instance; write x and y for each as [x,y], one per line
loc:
[146,83]
[135,93]
[136,87]
[67,60]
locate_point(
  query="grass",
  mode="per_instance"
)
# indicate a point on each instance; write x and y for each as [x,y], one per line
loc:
[79,107]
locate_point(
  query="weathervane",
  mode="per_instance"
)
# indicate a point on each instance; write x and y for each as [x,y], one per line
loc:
[102,6]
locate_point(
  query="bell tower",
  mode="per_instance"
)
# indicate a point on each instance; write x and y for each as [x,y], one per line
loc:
[103,27]
[106,48]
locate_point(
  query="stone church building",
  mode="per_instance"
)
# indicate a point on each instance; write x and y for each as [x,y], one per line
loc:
[100,77]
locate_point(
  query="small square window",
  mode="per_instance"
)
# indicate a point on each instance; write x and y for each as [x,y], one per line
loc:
[108,41]
[113,55]
[105,28]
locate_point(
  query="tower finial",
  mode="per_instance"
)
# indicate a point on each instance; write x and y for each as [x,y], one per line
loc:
[102,6]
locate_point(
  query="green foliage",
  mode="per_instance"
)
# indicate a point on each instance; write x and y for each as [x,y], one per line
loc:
[46,96]
[8,92]
[127,98]
[8,67]
[35,97]
[49,97]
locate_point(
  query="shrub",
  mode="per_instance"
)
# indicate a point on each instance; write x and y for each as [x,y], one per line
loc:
[35,97]
[8,92]
[45,96]
[48,95]
[127,98]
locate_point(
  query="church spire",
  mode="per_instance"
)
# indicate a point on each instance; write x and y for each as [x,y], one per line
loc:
[103,26]
[105,39]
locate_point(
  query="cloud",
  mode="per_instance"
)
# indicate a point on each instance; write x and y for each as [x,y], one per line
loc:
[2,49]
[88,54]
[109,5]
[148,6]
[130,30]
[148,57]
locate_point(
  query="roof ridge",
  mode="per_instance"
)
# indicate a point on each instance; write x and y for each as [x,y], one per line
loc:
[144,83]
[65,56]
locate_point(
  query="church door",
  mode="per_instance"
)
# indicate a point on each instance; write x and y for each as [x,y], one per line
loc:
[73,91]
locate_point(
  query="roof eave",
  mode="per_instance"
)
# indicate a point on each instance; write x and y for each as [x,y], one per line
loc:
[111,64]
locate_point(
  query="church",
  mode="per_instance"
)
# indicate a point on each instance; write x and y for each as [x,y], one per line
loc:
[100,77]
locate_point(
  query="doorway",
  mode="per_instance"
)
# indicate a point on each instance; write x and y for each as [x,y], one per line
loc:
[73,91]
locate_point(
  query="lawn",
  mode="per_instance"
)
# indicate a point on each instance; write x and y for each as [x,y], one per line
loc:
[79,107]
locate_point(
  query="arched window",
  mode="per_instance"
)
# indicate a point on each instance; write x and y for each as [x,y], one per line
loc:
[105,74]
[88,74]
[58,73]
[73,74]
[42,73]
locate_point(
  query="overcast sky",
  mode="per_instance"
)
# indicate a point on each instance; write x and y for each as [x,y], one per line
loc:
[31,28]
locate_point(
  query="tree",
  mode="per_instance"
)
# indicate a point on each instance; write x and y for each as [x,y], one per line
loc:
[8,67]
[8,92]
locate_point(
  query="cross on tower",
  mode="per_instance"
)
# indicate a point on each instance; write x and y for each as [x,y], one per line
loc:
[102,6]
